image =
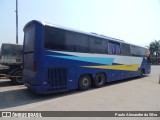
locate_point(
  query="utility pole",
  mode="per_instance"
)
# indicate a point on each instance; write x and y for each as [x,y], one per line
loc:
[16,21]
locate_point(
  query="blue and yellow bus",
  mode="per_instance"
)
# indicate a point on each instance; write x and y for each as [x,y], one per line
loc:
[60,59]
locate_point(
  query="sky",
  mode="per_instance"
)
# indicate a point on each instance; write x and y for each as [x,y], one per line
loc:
[134,21]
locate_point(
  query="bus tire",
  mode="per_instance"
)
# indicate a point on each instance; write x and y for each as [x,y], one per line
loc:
[17,80]
[99,80]
[84,82]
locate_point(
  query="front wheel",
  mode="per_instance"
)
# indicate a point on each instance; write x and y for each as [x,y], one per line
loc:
[84,82]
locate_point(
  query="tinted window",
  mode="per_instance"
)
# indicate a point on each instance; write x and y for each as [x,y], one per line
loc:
[76,42]
[29,37]
[97,45]
[125,49]
[70,41]
[58,39]
[54,38]
[114,48]
[92,45]
[81,43]
[136,50]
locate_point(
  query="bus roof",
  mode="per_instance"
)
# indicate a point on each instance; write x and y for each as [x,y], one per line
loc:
[73,30]
[78,31]
[86,33]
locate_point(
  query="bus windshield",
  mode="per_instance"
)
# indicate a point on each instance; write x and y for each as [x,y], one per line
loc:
[29,39]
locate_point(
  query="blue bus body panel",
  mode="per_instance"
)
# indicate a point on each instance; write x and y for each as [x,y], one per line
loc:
[55,71]
[33,79]
[74,67]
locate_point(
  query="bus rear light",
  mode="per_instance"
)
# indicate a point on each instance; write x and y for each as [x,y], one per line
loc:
[34,66]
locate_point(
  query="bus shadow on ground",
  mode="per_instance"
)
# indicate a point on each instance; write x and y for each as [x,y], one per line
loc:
[23,96]
[5,83]
[125,80]
[20,97]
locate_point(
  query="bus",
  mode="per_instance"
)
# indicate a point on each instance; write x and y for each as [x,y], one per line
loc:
[59,59]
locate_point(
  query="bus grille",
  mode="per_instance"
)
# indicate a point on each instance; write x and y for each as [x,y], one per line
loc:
[57,77]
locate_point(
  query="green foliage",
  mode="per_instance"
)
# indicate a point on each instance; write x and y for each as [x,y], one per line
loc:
[154,46]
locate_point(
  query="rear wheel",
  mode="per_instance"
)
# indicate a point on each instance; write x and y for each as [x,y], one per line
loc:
[84,82]
[99,80]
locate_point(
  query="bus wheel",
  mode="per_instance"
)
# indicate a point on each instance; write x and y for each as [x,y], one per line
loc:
[17,77]
[84,82]
[99,80]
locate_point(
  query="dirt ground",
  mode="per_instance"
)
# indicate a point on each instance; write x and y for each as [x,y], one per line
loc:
[138,94]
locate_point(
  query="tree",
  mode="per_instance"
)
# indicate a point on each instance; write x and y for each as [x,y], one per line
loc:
[154,48]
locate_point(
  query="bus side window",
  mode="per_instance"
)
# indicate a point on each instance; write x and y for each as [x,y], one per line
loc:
[70,41]
[96,45]
[54,39]
[100,46]
[113,48]
[125,49]
[82,43]
[92,45]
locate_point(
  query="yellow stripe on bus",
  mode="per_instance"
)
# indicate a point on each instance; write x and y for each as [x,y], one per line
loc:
[133,67]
